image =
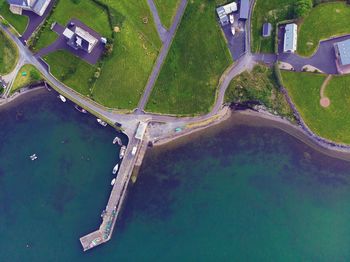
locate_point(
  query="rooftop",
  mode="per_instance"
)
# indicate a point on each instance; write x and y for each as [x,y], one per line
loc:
[290,38]
[244,9]
[344,52]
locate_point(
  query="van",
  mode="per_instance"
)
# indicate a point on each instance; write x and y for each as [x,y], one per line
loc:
[134,149]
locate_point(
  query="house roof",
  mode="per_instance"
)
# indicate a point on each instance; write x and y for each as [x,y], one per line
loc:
[244,9]
[290,38]
[267,29]
[222,15]
[18,2]
[344,52]
[35,5]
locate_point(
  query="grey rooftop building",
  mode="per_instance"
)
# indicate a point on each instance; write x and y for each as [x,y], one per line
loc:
[244,9]
[267,28]
[343,52]
[36,6]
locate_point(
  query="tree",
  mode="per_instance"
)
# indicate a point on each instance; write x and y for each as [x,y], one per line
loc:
[302,8]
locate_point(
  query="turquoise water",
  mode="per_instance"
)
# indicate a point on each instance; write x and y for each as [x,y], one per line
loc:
[238,194]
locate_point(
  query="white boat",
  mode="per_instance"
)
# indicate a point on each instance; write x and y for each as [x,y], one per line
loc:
[122,152]
[117,139]
[80,109]
[113,181]
[232,19]
[115,169]
[102,123]
[233,30]
[63,99]
[33,157]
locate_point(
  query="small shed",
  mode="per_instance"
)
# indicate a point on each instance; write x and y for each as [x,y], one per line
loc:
[244,9]
[266,32]
[222,16]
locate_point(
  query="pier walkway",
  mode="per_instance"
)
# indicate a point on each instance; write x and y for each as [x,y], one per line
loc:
[116,199]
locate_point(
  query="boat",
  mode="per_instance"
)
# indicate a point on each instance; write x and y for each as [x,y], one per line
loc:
[33,157]
[102,123]
[122,152]
[113,181]
[232,19]
[63,99]
[115,169]
[80,109]
[117,140]
[233,30]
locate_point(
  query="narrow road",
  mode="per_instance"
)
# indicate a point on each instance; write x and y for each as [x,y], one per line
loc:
[162,55]
[160,28]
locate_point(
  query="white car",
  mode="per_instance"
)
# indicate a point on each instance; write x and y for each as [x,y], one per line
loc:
[134,149]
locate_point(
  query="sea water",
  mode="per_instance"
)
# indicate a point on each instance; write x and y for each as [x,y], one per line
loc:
[240,193]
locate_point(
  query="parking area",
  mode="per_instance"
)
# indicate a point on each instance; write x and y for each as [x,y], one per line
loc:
[324,59]
[62,43]
[236,42]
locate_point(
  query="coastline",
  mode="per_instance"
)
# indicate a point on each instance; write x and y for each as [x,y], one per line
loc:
[259,118]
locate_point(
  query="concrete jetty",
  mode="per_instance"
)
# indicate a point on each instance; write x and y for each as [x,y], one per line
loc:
[118,194]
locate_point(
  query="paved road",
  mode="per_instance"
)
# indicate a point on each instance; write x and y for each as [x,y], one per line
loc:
[161,57]
[163,33]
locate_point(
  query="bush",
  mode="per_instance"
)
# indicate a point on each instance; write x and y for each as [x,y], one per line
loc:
[302,8]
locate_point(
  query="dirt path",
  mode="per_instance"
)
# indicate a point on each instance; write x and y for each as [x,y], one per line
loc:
[324,101]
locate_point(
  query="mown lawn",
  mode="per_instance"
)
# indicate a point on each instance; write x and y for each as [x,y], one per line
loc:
[198,56]
[71,70]
[124,75]
[85,10]
[258,85]
[167,10]
[332,122]
[324,21]
[271,11]
[17,21]
[8,54]
[27,75]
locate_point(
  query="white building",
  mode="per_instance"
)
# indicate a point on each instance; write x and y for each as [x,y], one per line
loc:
[290,38]
[224,11]
[37,6]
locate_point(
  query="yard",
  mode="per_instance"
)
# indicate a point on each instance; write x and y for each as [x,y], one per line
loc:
[271,11]
[17,21]
[72,71]
[125,72]
[86,11]
[167,10]
[332,122]
[188,81]
[27,75]
[324,21]
[258,85]
[8,54]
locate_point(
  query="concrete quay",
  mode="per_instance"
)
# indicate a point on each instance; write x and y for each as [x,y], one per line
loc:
[117,196]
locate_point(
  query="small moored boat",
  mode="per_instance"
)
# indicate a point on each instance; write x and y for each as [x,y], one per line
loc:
[63,99]
[117,140]
[115,169]
[233,30]
[113,182]
[33,157]
[232,19]
[80,109]
[101,122]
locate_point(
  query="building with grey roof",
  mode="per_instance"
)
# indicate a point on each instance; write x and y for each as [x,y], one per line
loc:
[290,38]
[267,28]
[36,6]
[244,9]
[343,52]
[222,16]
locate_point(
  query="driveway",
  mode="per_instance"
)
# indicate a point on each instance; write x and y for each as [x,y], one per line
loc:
[236,43]
[324,59]
[34,21]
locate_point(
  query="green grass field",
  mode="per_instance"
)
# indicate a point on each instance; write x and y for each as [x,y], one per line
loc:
[324,21]
[85,10]
[71,70]
[332,122]
[124,74]
[8,54]
[27,75]
[17,21]
[167,10]
[198,56]
[258,85]
[271,11]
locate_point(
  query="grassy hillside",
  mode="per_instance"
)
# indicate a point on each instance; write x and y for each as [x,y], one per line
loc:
[198,56]
[8,54]
[17,21]
[167,10]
